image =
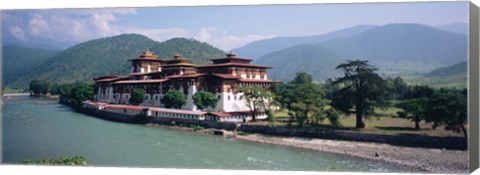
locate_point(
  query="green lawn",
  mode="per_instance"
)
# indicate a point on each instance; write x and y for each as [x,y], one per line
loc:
[458,81]
[385,121]
[12,91]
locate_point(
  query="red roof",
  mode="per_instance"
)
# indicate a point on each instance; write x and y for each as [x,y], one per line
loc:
[140,81]
[126,107]
[145,73]
[226,76]
[229,114]
[232,65]
[256,81]
[177,111]
[186,76]
[111,79]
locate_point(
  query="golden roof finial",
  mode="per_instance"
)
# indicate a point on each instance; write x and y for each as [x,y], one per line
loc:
[231,55]
[177,56]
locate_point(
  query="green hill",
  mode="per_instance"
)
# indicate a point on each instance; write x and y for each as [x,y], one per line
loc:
[198,52]
[109,56]
[17,60]
[459,68]
[394,48]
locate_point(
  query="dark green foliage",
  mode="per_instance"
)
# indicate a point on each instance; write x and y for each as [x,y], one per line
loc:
[137,96]
[39,87]
[203,99]
[459,68]
[174,99]
[413,109]
[303,99]
[396,48]
[448,108]
[17,60]
[418,92]
[362,90]
[302,78]
[76,160]
[334,117]
[400,87]
[75,93]
[109,56]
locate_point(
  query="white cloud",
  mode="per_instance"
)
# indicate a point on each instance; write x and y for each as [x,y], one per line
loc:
[227,42]
[156,34]
[17,32]
[37,25]
[204,34]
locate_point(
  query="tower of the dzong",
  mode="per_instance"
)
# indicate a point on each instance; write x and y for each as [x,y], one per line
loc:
[147,62]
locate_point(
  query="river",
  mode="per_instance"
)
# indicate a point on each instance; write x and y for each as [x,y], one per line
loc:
[38,129]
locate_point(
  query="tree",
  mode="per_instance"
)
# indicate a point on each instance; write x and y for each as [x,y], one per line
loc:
[255,97]
[448,108]
[137,96]
[302,78]
[203,99]
[39,87]
[74,94]
[400,87]
[418,91]
[303,98]
[413,109]
[174,98]
[362,89]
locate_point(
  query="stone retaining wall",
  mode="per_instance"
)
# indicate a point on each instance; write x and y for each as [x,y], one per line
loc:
[410,140]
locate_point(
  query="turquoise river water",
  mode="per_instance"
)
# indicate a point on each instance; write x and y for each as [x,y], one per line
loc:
[38,129]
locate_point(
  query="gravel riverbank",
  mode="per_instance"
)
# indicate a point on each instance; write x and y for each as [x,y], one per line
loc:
[420,159]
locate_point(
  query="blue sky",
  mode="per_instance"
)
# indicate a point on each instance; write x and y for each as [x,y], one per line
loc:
[226,27]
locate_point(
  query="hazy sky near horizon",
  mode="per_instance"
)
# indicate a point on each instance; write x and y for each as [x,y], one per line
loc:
[226,27]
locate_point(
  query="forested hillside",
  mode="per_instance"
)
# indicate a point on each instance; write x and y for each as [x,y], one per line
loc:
[18,60]
[109,56]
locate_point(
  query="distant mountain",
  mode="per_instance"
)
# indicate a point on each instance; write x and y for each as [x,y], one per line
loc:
[109,56]
[458,27]
[260,48]
[459,68]
[17,60]
[394,48]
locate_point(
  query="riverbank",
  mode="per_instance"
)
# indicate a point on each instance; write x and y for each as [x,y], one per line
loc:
[419,159]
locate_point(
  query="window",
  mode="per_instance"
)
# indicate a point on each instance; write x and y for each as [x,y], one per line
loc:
[228,97]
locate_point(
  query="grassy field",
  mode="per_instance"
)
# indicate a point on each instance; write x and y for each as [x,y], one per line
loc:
[385,122]
[11,91]
[458,81]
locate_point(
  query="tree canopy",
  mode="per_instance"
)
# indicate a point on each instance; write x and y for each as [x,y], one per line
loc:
[362,90]
[174,99]
[255,97]
[137,96]
[413,109]
[204,99]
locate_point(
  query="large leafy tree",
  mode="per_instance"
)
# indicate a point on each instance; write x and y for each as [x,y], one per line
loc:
[413,109]
[137,96]
[448,108]
[362,90]
[74,94]
[303,98]
[204,99]
[256,97]
[175,99]
[39,87]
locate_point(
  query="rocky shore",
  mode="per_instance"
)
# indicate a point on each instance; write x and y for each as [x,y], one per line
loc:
[419,159]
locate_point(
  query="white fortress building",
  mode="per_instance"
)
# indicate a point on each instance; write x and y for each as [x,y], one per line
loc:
[156,76]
